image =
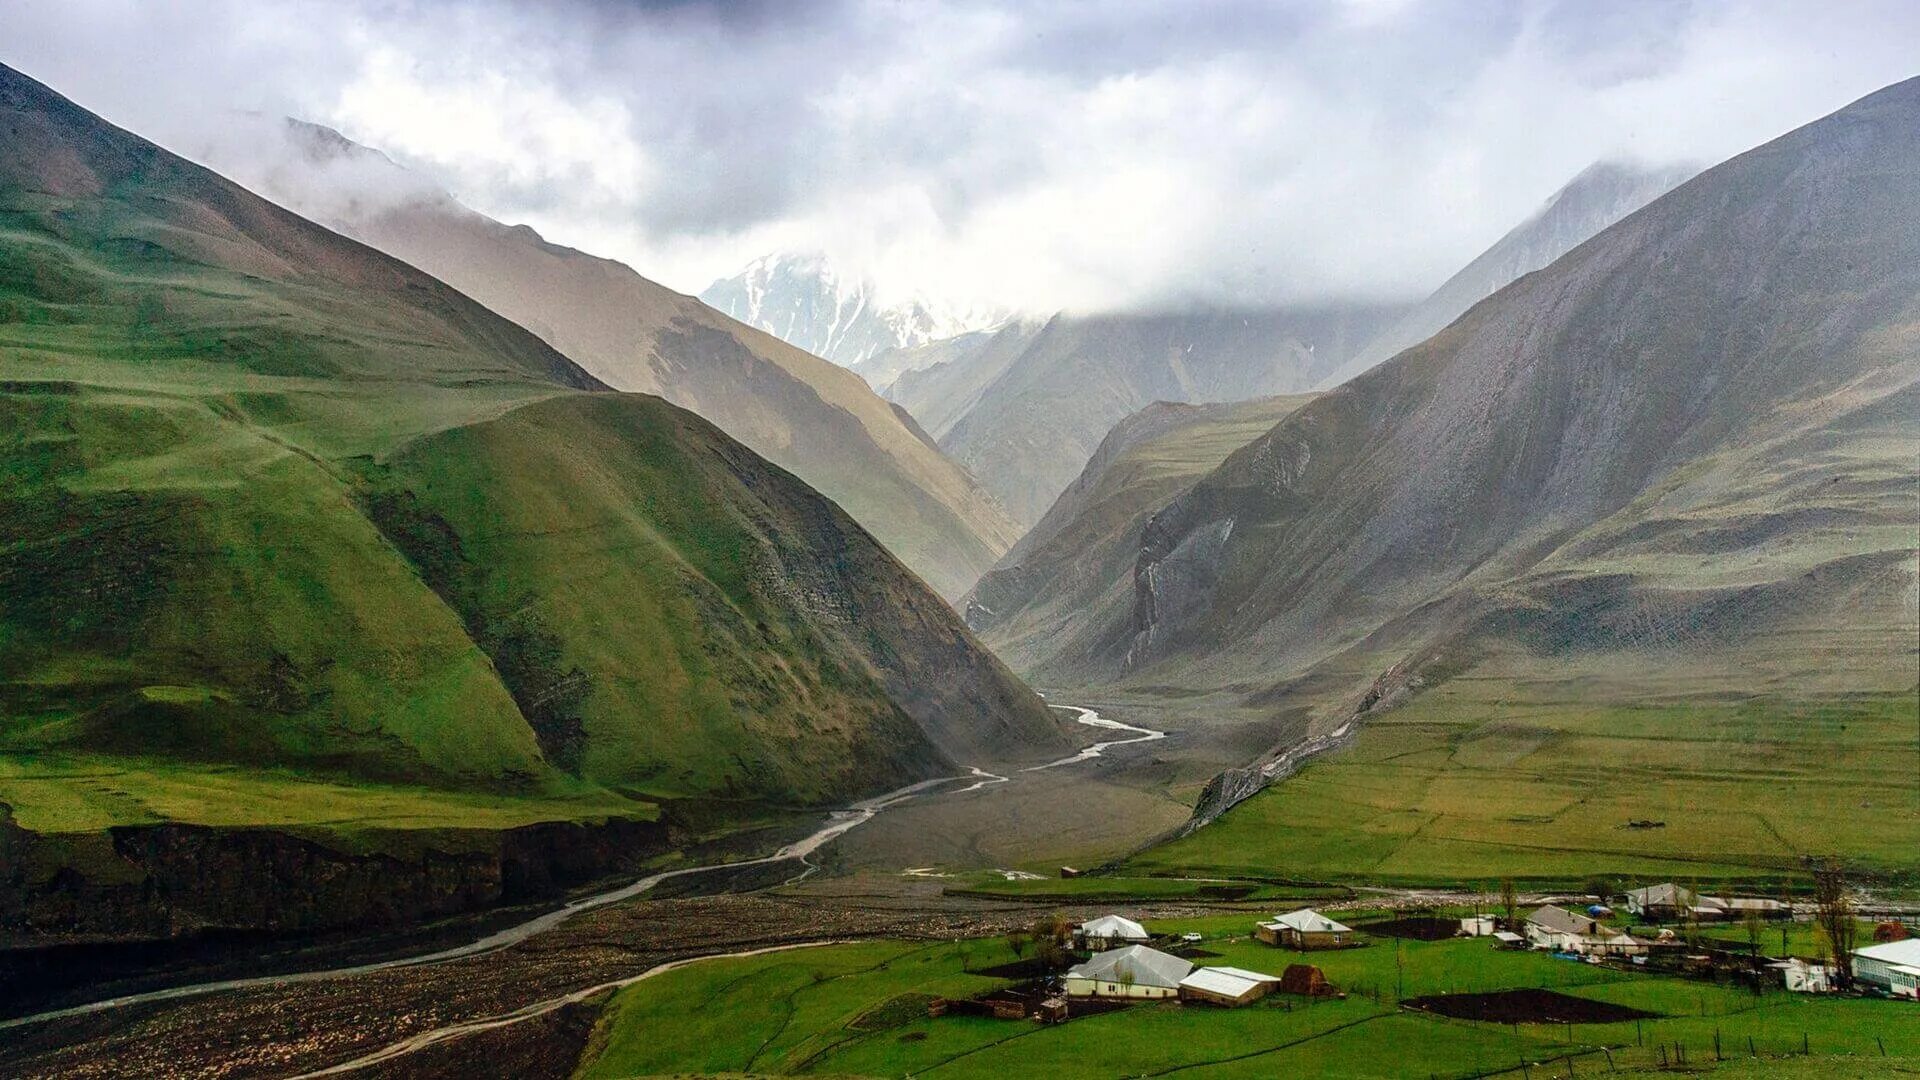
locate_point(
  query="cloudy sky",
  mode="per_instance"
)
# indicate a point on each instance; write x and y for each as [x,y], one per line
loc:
[1087,156]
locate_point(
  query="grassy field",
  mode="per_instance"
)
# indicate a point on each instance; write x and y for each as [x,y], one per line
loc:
[1472,782]
[77,793]
[858,1010]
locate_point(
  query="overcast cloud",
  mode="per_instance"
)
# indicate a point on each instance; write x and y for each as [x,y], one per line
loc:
[1079,156]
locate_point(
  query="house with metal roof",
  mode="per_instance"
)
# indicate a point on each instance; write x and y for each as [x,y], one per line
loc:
[1109,932]
[1304,929]
[1559,930]
[1228,986]
[1892,966]
[1135,971]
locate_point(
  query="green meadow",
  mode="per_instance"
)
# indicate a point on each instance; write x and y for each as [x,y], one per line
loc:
[859,1010]
[1472,782]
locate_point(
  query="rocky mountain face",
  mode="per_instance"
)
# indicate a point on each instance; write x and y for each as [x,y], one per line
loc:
[289,526]
[1028,408]
[817,419]
[1689,441]
[1067,585]
[1602,194]
[804,300]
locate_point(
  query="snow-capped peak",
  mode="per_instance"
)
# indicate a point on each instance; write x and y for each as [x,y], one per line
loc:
[802,298]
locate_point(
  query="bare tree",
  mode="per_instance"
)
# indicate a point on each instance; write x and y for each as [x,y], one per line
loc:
[1510,902]
[1834,912]
[1754,926]
[1017,941]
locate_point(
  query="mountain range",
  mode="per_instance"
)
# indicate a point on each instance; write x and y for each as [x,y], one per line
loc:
[1684,447]
[800,412]
[1024,409]
[283,514]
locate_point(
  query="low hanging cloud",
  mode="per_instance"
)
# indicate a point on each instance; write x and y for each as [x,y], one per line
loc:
[1091,157]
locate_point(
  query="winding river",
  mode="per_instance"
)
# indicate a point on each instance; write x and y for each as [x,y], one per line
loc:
[837,824]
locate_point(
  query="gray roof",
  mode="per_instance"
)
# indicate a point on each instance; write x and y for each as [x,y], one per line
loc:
[1666,894]
[1309,921]
[1561,921]
[1150,967]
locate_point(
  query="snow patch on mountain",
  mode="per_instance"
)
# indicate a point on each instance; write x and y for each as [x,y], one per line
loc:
[803,299]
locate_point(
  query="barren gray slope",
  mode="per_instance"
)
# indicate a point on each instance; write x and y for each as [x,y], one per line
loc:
[1694,433]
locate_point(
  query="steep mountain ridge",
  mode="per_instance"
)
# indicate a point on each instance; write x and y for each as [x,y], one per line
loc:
[1690,437]
[1057,593]
[799,411]
[1600,195]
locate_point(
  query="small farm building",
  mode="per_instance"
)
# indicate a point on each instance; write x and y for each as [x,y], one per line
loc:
[1802,977]
[1479,926]
[1307,980]
[1131,972]
[1304,929]
[1227,985]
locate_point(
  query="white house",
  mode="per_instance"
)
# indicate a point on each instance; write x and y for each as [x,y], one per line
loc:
[1109,932]
[1893,966]
[1303,929]
[1134,972]
[1559,930]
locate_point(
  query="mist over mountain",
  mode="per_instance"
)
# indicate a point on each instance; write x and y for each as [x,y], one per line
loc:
[1025,409]
[1602,194]
[803,300]
[1689,441]
[799,411]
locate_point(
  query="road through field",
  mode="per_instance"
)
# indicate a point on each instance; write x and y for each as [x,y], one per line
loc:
[837,824]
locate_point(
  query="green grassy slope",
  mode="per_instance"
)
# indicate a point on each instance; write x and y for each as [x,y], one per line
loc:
[799,411]
[1503,773]
[717,624]
[274,506]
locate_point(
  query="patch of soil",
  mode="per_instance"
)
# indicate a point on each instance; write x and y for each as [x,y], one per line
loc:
[1527,1007]
[1088,1006]
[1416,928]
[1194,952]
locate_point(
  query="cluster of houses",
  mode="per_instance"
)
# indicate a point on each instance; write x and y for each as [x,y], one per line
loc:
[1891,967]
[1125,965]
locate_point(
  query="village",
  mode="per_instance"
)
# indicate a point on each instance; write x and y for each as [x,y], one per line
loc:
[1112,962]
